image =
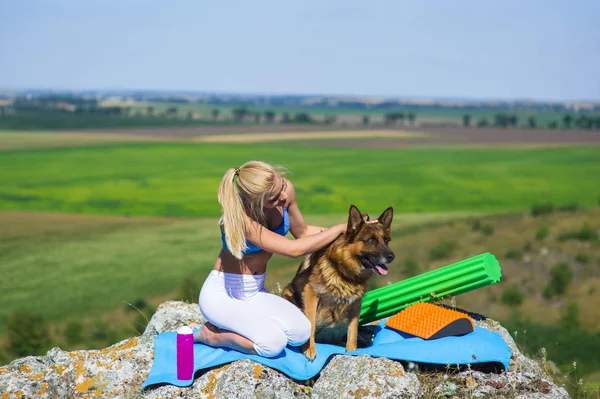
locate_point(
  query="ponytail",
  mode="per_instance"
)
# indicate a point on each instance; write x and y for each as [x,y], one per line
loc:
[233,215]
[253,182]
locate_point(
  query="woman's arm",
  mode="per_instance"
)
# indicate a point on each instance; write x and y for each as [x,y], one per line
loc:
[310,229]
[298,226]
[273,242]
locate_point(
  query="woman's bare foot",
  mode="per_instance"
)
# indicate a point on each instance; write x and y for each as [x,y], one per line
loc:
[214,336]
[207,335]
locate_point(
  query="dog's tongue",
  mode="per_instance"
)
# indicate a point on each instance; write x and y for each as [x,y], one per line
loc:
[381,269]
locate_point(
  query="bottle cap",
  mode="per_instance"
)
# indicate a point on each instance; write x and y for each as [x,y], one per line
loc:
[184,330]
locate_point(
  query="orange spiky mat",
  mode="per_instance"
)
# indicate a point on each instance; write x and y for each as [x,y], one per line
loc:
[430,321]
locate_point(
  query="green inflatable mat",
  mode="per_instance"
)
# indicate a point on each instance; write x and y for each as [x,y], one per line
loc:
[457,278]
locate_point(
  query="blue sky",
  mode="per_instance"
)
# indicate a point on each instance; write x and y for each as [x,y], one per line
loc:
[532,49]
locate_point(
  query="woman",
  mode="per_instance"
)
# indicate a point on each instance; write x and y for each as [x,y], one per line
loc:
[258,206]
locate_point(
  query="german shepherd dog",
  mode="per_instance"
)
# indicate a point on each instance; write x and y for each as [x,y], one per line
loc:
[330,284]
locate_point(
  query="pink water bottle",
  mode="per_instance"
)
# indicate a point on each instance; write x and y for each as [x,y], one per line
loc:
[185,353]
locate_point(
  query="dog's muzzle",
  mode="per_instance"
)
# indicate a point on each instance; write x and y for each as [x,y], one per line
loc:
[378,263]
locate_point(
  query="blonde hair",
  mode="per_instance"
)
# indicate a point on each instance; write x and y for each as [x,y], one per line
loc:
[247,192]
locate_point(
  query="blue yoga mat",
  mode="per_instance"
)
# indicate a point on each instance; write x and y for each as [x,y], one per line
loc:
[479,346]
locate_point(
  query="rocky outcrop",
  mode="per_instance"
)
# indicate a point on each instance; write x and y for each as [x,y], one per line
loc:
[119,371]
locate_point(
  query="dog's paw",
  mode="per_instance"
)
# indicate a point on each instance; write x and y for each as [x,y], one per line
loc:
[350,347]
[310,353]
[365,337]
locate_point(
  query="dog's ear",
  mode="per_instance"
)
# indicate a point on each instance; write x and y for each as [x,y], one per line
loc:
[386,218]
[355,220]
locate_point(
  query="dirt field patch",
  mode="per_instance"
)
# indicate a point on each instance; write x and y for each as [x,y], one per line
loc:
[285,136]
[420,136]
[333,136]
[471,137]
[220,130]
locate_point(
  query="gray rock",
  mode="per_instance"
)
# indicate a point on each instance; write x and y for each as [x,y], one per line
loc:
[119,371]
[37,377]
[110,372]
[171,315]
[241,379]
[365,377]
[246,379]
[512,384]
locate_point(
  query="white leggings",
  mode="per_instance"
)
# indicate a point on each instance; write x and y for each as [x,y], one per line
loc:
[240,303]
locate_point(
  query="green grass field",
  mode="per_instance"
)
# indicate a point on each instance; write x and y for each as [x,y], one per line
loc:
[140,217]
[89,269]
[70,265]
[79,267]
[19,140]
[182,179]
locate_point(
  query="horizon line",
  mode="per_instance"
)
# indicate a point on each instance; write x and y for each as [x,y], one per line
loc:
[292,94]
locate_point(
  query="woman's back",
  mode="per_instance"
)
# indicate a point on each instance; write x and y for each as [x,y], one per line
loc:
[255,258]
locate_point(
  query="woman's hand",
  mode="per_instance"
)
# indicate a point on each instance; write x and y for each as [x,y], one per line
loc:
[341,227]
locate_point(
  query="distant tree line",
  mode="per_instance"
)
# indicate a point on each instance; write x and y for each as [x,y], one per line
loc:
[241,114]
[89,111]
[391,118]
[505,120]
[50,101]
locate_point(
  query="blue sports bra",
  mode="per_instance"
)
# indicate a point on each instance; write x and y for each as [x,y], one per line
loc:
[282,229]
